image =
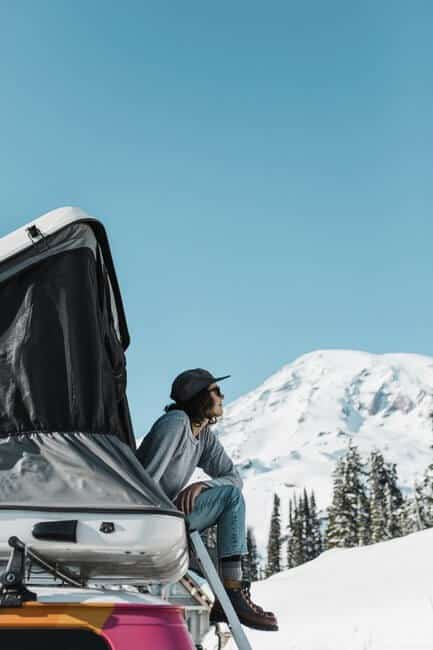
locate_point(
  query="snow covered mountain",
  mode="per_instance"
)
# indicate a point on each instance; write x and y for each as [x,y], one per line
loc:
[288,433]
[367,598]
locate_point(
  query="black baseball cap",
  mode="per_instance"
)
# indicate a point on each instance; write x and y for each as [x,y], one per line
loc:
[191,382]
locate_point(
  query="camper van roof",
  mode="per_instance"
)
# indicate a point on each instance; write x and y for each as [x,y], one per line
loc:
[48,224]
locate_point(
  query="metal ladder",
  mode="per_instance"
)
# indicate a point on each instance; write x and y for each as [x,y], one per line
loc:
[217,587]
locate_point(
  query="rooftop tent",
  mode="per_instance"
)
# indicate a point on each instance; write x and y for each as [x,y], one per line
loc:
[63,330]
[66,441]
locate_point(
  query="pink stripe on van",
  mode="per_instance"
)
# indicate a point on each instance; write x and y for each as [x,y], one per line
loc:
[147,627]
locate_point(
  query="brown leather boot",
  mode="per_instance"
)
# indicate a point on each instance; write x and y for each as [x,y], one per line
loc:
[248,612]
[246,587]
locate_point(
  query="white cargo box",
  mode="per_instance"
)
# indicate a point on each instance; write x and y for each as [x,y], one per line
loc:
[109,547]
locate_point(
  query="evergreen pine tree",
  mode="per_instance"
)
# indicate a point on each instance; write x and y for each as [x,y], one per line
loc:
[274,542]
[377,481]
[386,499]
[317,545]
[364,520]
[393,501]
[289,557]
[336,511]
[355,496]
[427,491]
[304,538]
[392,525]
[250,562]
[349,504]
[307,529]
[296,542]
[421,507]
[412,515]
[407,516]
[298,546]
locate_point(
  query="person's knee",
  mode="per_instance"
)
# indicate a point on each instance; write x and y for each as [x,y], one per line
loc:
[234,495]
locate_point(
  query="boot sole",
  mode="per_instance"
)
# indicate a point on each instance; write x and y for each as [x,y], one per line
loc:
[263,628]
[254,626]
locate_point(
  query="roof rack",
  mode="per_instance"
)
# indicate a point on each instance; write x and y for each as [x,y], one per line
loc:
[13,592]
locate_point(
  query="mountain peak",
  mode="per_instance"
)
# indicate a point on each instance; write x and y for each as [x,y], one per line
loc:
[290,430]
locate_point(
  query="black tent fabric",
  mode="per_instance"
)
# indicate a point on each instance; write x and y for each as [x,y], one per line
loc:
[66,439]
[62,365]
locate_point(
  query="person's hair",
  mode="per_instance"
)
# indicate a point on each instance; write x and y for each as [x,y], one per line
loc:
[196,408]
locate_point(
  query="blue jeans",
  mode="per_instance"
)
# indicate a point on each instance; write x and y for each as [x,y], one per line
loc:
[224,506]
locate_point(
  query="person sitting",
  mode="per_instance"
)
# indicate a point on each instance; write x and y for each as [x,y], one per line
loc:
[178,442]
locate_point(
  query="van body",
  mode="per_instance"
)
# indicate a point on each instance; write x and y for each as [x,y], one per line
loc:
[94,620]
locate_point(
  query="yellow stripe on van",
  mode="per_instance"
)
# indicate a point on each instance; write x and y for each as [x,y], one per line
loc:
[45,615]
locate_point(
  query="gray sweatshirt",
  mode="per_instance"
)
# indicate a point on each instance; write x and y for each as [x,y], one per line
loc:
[170,453]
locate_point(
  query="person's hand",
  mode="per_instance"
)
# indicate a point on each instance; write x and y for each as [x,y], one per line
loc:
[186,498]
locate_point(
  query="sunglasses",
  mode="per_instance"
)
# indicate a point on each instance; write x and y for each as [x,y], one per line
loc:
[216,390]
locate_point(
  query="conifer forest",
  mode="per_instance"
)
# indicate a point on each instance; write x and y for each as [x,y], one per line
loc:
[367,507]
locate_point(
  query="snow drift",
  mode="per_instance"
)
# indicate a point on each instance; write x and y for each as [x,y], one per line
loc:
[376,597]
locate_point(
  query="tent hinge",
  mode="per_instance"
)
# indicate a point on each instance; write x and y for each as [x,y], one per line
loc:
[37,238]
[13,592]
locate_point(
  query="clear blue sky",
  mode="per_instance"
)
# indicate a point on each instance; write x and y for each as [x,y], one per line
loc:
[264,170]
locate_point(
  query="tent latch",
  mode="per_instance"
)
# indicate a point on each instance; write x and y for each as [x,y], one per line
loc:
[37,238]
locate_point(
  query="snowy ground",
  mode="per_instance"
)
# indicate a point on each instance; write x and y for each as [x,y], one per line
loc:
[377,597]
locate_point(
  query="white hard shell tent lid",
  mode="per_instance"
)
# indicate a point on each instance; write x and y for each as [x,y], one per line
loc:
[49,223]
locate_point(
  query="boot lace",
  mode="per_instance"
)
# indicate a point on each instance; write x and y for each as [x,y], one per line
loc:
[246,591]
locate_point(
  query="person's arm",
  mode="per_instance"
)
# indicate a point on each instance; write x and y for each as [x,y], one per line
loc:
[217,464]
[159,446]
